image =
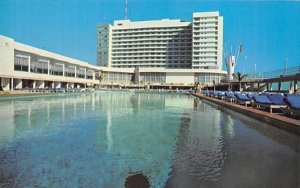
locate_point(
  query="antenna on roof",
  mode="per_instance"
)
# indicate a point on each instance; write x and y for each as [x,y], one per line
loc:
[126,9]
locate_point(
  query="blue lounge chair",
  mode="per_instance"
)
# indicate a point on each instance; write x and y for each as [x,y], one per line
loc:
[215,94]
[293,101]
[277,99]
[251,95]
[230,96]
[242,98]
[35,89]
[60,90]
[293,107]
[265,102]
[46,90]
[77,90]
[221,95]
[52,90]
[205,92]
[262,99]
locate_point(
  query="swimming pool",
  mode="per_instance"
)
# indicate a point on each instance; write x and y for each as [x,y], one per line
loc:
[99,139]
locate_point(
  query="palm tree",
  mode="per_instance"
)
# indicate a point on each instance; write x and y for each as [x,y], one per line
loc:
[239,77]
[100,78]
[196,86]
[214,83]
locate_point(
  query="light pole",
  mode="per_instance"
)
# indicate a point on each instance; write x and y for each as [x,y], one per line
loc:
[246,57]
[285,62]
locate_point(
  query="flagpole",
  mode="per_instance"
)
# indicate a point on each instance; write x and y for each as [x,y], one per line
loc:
[286,62]
[238,52]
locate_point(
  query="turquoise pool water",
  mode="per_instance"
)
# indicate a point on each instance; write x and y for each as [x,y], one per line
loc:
[98,139]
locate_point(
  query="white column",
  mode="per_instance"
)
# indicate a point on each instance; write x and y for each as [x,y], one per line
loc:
[34,84]
[28,63]
[12,84]
[48,67]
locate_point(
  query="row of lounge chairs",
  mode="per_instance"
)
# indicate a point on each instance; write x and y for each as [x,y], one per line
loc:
[288,104]
[52,90]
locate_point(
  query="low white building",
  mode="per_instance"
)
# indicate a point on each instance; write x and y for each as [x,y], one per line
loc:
[23,66]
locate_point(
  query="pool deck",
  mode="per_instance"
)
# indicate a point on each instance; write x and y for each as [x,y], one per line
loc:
[16,93]
[27,93]
[283,122]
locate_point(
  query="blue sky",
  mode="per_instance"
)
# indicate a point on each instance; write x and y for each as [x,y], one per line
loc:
[269,30]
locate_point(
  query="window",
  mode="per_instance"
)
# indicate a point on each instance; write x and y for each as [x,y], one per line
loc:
[39,66]
[21,63]
[57,69]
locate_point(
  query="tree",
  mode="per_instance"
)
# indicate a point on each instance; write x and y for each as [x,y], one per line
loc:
[239,77]
[100,78]
[196,87]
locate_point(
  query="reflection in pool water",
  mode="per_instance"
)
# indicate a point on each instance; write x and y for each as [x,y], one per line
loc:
[99,139]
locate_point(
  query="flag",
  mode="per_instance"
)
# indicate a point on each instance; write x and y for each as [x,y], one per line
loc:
[241,48]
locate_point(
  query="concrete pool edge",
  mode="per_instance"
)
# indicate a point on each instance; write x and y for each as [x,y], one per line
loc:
[20,94]
[286,123]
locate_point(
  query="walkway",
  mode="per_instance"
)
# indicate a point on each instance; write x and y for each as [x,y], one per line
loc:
[286,123]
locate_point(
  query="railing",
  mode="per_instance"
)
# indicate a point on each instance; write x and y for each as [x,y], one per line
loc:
[276,74]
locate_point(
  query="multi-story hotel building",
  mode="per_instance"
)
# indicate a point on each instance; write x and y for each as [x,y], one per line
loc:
[162,43]
[164,52]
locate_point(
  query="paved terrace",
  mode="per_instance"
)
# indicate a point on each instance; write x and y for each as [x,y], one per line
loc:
[286,123]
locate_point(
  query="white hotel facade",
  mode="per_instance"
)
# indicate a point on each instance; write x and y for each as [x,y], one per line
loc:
[159,52]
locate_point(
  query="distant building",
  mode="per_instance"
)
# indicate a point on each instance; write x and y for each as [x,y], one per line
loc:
[174,44]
